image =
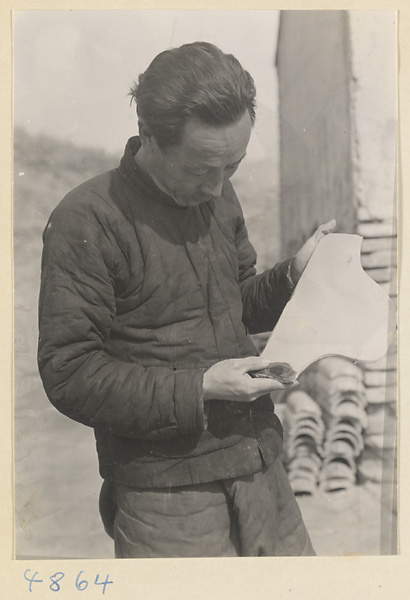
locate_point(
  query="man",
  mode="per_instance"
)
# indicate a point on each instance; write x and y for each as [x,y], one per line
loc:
[148,296]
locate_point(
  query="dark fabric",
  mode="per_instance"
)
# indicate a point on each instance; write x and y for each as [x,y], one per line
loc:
[138,298]
[256,515]
[108,506]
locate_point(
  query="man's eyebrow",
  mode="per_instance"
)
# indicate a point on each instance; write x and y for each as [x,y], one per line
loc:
[204,165]
[237,161]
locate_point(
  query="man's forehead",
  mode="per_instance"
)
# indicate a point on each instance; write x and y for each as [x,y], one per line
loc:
[201,141]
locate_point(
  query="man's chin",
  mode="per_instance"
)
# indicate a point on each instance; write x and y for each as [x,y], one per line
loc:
[191,200]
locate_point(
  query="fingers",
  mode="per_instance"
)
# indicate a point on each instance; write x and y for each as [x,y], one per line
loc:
[252,363]
[322,230]
[230,380]
[254,388]
[329,226]
[264,386]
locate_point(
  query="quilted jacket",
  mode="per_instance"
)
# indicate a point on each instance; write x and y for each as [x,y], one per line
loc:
[139,296]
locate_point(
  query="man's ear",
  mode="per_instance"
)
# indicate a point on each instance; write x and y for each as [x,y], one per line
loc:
[148,141]
[145,133]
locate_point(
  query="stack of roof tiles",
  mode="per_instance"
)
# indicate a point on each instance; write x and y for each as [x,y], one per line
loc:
[379,259]
[357,405]
[336,384]
[303,446]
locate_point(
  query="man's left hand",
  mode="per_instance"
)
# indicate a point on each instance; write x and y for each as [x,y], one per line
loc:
[302,258]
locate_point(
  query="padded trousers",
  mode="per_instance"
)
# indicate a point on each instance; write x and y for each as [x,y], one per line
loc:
[256,515]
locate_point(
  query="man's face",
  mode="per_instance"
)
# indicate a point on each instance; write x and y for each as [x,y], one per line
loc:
[193,171]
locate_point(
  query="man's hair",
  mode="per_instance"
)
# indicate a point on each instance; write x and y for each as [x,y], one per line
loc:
[196,80]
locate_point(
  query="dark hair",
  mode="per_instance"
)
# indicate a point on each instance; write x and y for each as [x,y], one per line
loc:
[195,80]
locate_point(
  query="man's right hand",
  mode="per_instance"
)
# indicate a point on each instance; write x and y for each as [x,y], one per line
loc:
[230,380]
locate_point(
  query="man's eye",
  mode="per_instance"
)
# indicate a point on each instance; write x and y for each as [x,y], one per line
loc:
[198,172]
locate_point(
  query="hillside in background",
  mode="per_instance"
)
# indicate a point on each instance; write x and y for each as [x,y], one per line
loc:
[54,457]
[45,169]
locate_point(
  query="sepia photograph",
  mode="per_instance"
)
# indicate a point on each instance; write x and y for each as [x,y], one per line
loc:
[205,283]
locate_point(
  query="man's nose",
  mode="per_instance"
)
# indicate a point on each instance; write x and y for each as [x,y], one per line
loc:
[213,185]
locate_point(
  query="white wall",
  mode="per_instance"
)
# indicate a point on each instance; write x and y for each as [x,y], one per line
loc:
[374,103]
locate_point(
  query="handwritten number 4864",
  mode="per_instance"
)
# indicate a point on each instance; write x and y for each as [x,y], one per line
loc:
[80,583]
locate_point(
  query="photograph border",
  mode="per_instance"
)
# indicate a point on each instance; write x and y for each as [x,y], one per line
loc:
[358,577]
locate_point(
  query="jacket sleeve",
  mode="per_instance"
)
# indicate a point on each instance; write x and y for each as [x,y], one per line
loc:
[264,295]
[76,309]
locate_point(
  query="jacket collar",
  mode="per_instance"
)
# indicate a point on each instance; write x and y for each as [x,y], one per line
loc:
[139,179]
